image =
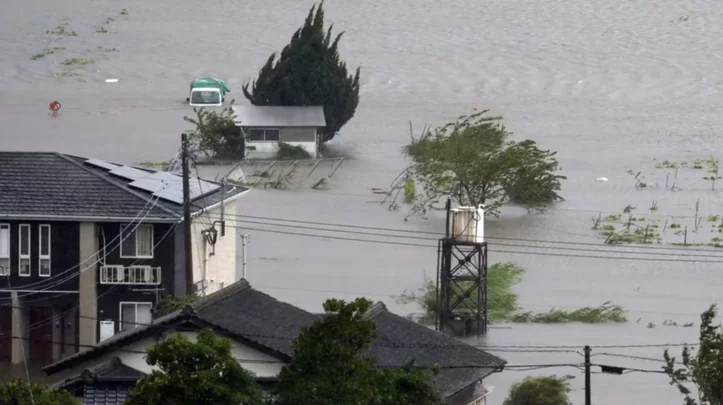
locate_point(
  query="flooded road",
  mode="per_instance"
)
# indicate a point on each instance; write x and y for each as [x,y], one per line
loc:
[613,86]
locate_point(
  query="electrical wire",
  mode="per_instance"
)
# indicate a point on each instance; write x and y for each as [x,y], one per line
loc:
[601,249]
[392,243]
[441,235]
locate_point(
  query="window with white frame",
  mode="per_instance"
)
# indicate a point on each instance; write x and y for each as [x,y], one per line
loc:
[24,250]
[4,249]
[137,241]
[264,134]
[44,251]
[134,314]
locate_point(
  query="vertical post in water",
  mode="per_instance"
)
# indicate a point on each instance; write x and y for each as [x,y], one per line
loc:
[588,397]
[187,245]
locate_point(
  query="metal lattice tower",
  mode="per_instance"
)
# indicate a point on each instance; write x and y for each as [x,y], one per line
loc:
[461,286]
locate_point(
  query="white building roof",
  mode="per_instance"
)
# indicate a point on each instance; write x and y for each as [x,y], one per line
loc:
[278,116]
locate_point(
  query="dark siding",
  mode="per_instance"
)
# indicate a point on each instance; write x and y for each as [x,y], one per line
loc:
[64,255]
[110,296]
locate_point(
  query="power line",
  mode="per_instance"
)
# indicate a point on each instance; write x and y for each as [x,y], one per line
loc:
[600,249]
[390,243]
[439,234]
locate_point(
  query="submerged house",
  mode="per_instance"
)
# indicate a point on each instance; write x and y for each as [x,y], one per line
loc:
[265,127]
[262,329]
[87,247]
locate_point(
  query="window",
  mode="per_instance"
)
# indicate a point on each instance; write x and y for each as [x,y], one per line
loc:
[24,249]
[205,97]
[4,249]
[44,251]
[264,134]
[134,314]
[137,241]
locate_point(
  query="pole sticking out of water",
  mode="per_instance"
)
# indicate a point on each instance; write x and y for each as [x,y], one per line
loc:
[685,236]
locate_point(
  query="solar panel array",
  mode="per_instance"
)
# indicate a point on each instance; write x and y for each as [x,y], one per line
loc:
[129,173]
[102,164]
[169,186]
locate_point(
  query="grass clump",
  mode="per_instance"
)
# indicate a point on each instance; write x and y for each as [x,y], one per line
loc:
[124,11]
[102,30]
[78,61]
[409,190]
[288,152]
[502,302]
[61,31]
[713,218]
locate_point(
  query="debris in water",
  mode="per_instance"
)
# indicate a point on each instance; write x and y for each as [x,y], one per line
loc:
[601,179]
[111,80]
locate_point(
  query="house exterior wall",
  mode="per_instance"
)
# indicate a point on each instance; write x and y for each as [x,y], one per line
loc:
[63,255]
[133,355]
[216,265]
[306,137]
[111,295]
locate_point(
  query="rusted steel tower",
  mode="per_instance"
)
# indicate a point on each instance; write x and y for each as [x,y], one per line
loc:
[462,273]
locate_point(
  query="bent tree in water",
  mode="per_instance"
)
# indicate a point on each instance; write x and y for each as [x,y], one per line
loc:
[472,161]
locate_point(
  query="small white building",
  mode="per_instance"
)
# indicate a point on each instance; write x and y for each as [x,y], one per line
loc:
[265,127]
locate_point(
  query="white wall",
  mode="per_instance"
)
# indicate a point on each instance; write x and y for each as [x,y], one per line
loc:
[219,267]
[130,357]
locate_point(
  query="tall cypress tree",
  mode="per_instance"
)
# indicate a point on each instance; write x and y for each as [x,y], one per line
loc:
[309,71]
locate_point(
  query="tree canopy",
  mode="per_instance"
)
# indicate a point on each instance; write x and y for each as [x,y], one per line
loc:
[472,161]
[549,390]
[702,369]
[200,373]
[328,368]
[18,392]
[309,72]
[216,134]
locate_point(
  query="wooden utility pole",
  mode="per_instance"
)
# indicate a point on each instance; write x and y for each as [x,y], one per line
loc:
[188,248]
[588,397]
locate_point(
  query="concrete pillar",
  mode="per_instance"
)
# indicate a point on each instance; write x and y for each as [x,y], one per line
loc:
[88,295]
[20,343]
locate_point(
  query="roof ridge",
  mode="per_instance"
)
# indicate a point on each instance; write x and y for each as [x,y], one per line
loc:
[221,294]
[117,184]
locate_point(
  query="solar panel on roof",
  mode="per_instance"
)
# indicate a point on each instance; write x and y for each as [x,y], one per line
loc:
[101,163]
[129,173]
[169,186]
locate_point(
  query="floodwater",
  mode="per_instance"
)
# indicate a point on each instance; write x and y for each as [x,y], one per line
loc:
[611,85]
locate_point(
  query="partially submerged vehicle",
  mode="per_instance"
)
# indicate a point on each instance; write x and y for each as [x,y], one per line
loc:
[207,91]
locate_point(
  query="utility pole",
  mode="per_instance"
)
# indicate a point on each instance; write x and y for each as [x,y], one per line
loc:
[587,376]
[188,254]
[243,265]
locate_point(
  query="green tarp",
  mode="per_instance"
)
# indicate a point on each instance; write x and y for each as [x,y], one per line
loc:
[210,82]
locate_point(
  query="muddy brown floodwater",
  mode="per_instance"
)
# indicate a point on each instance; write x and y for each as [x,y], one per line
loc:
[611,85]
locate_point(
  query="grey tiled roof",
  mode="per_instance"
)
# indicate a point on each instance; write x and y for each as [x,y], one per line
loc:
[54,185]
[269,323]
[401,341]
[50,184]
[279,116]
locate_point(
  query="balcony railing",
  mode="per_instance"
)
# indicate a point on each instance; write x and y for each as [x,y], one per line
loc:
[133,275]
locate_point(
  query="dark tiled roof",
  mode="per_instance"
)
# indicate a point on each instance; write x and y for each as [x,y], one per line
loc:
[106,394]
[402,341]
[271,324]
[114,368]
[49,184]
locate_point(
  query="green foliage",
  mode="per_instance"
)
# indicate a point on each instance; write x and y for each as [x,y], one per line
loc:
[216,134]
[18,392]
[288,152]
[327,367]
[502,302]
[171,303]
[200,373]
[472,161]
[540,391]
[702,368]
[309,72]
[410,192]
[78,61]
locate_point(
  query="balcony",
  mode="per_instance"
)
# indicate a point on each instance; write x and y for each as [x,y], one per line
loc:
[130,275]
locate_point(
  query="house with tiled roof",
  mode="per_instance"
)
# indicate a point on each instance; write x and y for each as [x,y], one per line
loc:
[87,247]
[262,329]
